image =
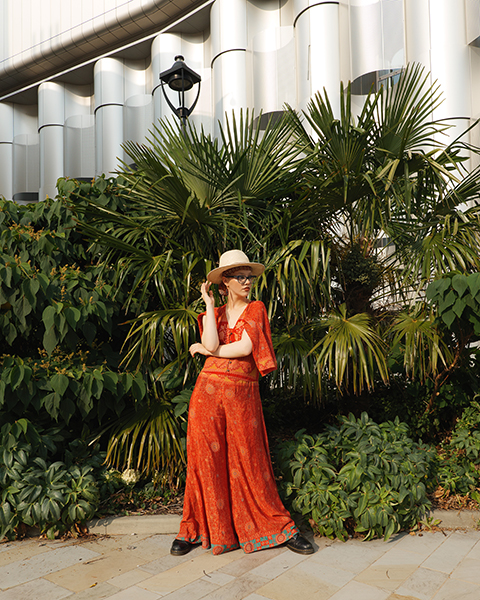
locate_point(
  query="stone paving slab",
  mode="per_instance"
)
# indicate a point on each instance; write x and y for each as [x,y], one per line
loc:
[137,566]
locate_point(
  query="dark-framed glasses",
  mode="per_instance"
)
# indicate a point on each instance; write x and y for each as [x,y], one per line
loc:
[242,278]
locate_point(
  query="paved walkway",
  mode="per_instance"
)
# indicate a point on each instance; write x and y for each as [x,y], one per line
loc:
[138,566]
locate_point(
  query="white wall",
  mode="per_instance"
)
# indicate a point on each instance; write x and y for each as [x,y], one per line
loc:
[255,54]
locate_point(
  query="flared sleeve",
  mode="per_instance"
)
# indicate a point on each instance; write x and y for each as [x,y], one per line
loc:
[258,329]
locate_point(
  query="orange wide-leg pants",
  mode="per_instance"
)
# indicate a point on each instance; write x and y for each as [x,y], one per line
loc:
[231,498]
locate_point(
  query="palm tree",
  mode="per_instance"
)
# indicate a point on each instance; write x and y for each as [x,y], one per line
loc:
[390,200]
[352,217]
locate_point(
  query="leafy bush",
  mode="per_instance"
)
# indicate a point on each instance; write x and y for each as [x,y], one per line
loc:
[357,477]
[466,435]
[458,468]
[39,491]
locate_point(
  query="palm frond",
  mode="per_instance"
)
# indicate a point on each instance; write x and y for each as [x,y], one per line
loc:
[416,335]
[352,352]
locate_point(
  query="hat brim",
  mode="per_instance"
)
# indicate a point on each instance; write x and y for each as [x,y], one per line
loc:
[215,276]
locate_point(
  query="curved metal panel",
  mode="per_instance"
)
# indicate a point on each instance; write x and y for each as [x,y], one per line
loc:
[108,138]
[366,38]
[6,122]
[138,118]
[6,169]
[64,44]
[472,8]
[79,146]
[229,86]
[450,58]
[417,31]
[273,69]
[377,35]
[317,36]
[26,176]
[109,99]
[108,82]
[51,104]
[228,26]
[51,159]
[79,100]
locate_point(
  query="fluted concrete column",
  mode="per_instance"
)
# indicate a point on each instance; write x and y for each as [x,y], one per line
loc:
[317,41]
[228,26]
[51,120]
[6,150]
[436,37]
[109,100]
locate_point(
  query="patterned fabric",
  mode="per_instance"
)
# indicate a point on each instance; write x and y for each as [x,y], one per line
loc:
[231,498]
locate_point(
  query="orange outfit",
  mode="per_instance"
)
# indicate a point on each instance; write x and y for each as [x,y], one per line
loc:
[231,498]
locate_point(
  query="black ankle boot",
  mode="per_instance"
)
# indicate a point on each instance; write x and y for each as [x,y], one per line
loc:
[300,545]
[181,547]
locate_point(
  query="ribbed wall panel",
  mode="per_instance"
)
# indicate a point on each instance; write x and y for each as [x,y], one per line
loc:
[51,119]
[109,108]
[450,57]
[377,35]
[26,172]
[255,54]
[6,150]
[273,69]
[6,169]
[51,159]
[80,147]
[231,81]
[317,36]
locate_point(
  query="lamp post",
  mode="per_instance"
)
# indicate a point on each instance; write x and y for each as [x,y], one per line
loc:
[180,78]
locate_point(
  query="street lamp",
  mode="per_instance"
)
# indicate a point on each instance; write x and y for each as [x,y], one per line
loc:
[180,78]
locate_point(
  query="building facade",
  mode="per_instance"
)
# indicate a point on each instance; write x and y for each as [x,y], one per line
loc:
[78,78]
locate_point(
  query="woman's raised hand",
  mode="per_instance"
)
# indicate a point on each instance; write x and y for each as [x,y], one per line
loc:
[207,295]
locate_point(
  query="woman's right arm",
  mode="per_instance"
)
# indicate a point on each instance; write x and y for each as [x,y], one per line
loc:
[210,333]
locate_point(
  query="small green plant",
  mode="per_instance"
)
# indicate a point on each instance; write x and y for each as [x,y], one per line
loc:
[38,491]
[359,476]
[427,524]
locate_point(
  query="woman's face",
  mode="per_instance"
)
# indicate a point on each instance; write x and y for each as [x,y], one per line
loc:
[234,287]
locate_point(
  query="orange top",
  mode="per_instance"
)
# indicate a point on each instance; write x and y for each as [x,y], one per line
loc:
[254,320]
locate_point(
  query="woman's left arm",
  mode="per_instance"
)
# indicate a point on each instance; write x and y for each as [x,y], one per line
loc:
[233,350]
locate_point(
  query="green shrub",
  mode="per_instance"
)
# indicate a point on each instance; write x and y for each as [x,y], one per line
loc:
[357,477]
[459,459]
[466,435]
[39,491]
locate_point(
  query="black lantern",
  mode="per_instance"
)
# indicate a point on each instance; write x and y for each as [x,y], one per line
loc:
[180,78]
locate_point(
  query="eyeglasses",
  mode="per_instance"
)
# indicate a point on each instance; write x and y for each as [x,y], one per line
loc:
[242,278]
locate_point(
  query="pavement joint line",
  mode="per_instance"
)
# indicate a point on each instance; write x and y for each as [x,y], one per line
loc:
[440,582]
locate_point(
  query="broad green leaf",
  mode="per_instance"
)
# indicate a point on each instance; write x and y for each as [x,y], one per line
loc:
[50,340]
[460,284]
[59,383]
[48,317]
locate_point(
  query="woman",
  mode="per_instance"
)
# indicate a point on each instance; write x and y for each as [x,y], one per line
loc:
[231,498]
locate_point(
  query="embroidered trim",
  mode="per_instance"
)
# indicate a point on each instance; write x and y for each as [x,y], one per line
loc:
[222,548]
[217,548]
[269,541]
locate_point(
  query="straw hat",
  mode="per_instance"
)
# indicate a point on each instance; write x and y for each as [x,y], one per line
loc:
[231,260]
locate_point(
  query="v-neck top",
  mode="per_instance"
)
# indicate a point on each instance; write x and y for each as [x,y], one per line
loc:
[262,358]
